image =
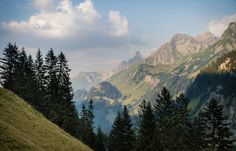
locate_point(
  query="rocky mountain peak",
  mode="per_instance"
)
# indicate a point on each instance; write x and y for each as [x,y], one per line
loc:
[125,64]
[105,89]
[230,32]
[206,37]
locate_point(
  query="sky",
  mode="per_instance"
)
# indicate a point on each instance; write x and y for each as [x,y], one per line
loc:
[96,35]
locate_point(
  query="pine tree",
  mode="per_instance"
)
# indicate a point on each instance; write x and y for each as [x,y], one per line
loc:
[8,66]
[86,125]
[100,139]
[52,84]
[146,126]
[31,82]
[183,129]
[40,82]
[218,133]
[67,114]
[164,110]
[25,78]
[199,132]
[115,136]
[122,137]
[20,87]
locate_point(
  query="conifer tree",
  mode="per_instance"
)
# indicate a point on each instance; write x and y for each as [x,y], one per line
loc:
[8,66]
[86,125]
[147,126]
[115,136]
[122,137]
[20,87]
[52,84]
[40,81]
[164,111]
[183,129]
[25,78]
[67,116]
[218,133]
[199,132]
[100,139]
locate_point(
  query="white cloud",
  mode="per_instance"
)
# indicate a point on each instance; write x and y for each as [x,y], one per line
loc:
[76,29]
[41,4]
[67,20]
[217,27]
[119,24]
[64,21]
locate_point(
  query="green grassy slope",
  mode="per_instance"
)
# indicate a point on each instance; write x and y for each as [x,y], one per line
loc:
[24,129]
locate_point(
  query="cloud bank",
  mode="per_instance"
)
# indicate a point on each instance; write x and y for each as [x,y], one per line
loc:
[76,29]
[217,27]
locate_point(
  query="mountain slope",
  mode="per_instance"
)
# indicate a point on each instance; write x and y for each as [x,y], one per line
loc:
[23,128]
[174,65]
[218,80]
[135,59]
[106,104]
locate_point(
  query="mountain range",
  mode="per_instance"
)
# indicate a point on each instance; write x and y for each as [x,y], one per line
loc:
[175,65]
[86,80]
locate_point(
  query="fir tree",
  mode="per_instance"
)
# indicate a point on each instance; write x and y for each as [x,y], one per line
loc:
[146,126]
[67,114]
[218,133]
[86,127]
[8,66]
[100,139]
[115,136]
[52,85]
[182,132]
[199,132]
[40,82]
[164,111]
[122,137]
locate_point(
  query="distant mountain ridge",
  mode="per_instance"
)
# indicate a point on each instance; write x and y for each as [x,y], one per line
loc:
[174,65]
[106,103]
[125,64]
[183,59]
[86,80]
[180,46]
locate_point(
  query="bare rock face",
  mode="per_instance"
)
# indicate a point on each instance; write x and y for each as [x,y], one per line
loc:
[125,64]
[230,32]
[206,37]
[105,89]
[180,45]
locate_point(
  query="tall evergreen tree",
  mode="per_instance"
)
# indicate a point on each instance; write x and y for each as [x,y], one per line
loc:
[218,133]
[52,84]
[100,139]
[25,78]
[67,114]
[183,129]
[122,137]
[199,132]
[147,126]
[115,136]
[8,66]
[164,110]
[86,125]
[40,81]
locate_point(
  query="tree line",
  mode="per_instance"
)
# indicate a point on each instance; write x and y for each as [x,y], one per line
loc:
[168,125]
[165,125]
[45,84]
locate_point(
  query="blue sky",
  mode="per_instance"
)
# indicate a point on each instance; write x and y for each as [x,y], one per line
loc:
[98,34]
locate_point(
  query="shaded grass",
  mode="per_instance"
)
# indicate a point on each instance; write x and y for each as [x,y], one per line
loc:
[22,128]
